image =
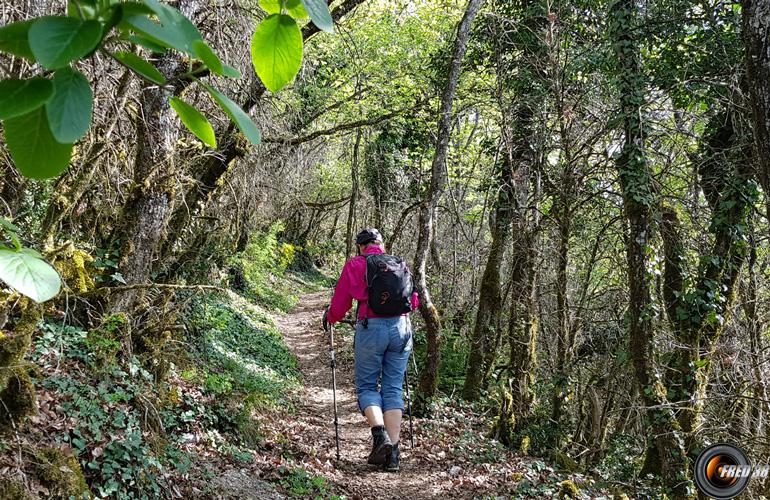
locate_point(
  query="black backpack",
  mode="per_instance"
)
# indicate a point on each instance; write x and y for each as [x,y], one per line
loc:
[389,284]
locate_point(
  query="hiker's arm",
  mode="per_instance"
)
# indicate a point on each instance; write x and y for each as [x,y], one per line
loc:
[342,300]
[415,301]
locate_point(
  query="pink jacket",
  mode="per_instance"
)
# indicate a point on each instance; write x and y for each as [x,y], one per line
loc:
[352,285]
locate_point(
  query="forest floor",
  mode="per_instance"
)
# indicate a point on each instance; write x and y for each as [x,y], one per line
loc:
[452,455]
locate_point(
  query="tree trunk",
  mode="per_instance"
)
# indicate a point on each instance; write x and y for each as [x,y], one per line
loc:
[231,147]
[429,376]
[483,341]
[143,220]
[756,26]
[638,199]
[353,198]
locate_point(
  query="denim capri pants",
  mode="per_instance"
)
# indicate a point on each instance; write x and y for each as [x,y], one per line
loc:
[381,355]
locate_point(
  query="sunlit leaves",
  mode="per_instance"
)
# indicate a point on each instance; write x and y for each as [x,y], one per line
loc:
[56,41]
[34,150]
[194,121]
[27,272]
[236,114]
[276,51]
[18,97]
[69,110]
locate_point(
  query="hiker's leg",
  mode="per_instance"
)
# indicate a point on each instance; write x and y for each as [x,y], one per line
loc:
[374,417]
[393,370]
[368,367]
[393,424]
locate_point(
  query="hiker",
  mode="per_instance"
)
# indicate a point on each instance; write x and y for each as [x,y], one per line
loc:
[383,339]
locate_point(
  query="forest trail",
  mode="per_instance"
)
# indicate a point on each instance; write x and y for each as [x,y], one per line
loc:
[419,478]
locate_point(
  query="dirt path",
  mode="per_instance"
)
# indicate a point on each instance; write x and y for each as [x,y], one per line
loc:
[418,478]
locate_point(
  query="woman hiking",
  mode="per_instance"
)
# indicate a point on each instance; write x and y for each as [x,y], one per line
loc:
[383,287]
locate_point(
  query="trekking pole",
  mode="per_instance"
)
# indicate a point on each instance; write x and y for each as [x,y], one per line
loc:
[409,403]
[334,389]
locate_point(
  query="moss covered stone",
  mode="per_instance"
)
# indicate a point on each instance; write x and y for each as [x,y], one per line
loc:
[568,489]
[17,399]
[61,474]
[564,461]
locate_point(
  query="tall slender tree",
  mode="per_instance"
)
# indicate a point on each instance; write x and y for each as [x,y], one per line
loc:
[429,376]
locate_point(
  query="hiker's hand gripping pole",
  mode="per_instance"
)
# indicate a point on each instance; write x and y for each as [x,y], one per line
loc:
[334,388]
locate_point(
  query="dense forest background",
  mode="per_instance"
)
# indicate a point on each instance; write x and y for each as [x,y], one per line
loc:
[580,187]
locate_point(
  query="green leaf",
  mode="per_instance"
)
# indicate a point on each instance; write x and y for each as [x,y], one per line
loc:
[140,66]
[271,6]
[28,273]
[174,31]
[293,7]
[230,72]
[296,9]
[33,148]
[88,7]
[19,97]
[147,44]
[70,109]
[276,51]
[205,54]
[14,39]
[194,121]
[236,114]
[56,41]
[319,14]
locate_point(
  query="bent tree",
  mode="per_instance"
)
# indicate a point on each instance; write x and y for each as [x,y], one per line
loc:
[429,376]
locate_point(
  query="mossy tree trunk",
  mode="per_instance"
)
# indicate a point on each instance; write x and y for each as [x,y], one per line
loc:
[143,220]
[483,342]
[698,314]
[639,198]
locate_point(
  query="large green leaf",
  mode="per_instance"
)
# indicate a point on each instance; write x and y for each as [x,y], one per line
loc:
[140,66]
[319,14]
[14,39]
[27,272]
[33,147]
[236,114]
[276,51]
[70,109]
[19,97]
[208,56]
[174,30]
[56,41]
[195,121]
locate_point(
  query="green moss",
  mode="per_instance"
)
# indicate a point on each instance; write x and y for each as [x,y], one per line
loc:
[13,490]
[17,400]
[12,349]
[568,489]
[61,474]
[524,446]
[564,461]
[504,425]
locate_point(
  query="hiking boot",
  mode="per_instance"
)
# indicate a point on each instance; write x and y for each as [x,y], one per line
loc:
[393,464]
[381,447]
